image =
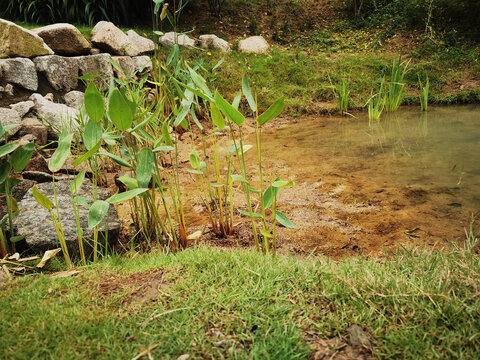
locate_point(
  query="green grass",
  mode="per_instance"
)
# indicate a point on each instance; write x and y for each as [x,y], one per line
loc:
[417,304]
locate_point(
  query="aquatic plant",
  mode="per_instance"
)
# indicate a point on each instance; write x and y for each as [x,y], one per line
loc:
[13,159]
[376,103]
[396,86]
[341,91]
[424,93]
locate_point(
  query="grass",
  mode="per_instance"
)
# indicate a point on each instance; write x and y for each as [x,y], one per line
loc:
[417,304]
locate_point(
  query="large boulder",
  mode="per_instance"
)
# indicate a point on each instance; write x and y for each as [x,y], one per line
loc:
[141,44]
[214,42]
[171,38]
[143,64]
[61,72]
[254,45]
[31,125]
[19,71]
[56,116]
[35,223]
[97,65]
[106,36]
[17,41]
[64,39]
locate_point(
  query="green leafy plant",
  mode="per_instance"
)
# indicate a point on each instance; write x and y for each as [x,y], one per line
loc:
[341,91]
[376,103]
[424,93]
[396,86]
[13,159]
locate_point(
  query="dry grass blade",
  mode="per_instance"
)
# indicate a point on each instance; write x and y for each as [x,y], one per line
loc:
[146,352]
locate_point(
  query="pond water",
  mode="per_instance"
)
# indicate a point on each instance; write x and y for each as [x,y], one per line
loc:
[412,177]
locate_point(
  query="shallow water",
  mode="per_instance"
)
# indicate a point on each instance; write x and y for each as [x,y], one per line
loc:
[440,148]
[364,186]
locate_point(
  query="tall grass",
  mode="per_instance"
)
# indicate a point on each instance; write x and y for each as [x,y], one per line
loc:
[396,86]
[341,91]
[424,93]
[376,103]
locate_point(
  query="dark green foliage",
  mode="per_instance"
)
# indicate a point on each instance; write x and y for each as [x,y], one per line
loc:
[123,12]
[460,16]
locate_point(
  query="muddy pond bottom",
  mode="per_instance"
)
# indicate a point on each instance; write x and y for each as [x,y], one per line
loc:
[410,179]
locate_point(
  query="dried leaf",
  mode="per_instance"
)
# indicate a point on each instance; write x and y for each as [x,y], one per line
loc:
[15,257]
[64,274]
[195,236]
[31,258]
[47,256]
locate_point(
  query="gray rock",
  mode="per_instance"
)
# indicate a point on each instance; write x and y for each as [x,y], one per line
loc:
[56,116]
[214,42]
[17,41]
[169,39]
[254,45]
[106,36]
[97,65]
[10,117]
[32,125]
[34,221]
[127,64]
[61,72]
[64,39]
[19,71]
[74,99]
[140,43]
[143,64]
[23,107]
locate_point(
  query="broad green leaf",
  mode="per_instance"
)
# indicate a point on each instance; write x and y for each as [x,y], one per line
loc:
[88,76]
[253,190]
[266,233]
[4,171]
[20,158]
[200,82]
[195,119]
[283,220]
[94,104]
[272,112]
[12,182]
[97,213]
[117,159]
[42,199]
[82,201]
[127,195]
[88,154]
[77,182]
[145,167]
[166,136]
[236,101]
[192,171]
[128,181]
[119,111]
[181,115]
[8,148]
[216,185]
[282,183]
[253,215]
[248,93]
[217,65]
[229,111]
[15,239]
[217,117]
[163,148]
[2,130]
[194,159]
[62,153]
[233,148]
[239,178]
[9,127]
[270,195]
[92,134]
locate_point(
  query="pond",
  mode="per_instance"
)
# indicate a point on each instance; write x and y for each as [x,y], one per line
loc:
[413,178]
